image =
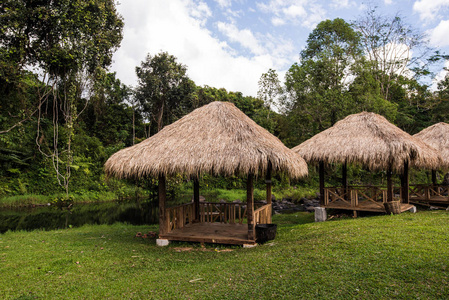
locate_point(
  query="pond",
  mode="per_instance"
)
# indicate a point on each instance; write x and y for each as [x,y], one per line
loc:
[51,217]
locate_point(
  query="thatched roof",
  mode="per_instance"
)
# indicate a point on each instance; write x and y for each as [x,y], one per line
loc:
[368,139]
[437,136]
[217,139]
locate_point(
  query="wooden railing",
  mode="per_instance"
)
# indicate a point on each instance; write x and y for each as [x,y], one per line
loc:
[262,215]
[429,192]
[354,194]
[230,213]
[334,194]
[222,212]
[179,216]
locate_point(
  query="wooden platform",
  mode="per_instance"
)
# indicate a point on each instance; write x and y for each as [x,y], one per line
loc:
[437,200]
[220,233]
[364,206]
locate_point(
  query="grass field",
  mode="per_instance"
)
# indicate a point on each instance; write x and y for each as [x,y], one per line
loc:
[380,257]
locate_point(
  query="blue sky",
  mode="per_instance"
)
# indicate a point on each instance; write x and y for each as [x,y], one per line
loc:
[230,43]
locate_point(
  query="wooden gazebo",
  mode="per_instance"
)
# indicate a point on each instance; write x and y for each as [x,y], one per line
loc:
[370,140]
[215,139]
[436,136]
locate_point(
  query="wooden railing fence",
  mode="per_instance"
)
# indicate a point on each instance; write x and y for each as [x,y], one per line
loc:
[354,194]
[223,212]
[429,192]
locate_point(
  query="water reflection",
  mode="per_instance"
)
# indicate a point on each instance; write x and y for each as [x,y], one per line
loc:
[135,212]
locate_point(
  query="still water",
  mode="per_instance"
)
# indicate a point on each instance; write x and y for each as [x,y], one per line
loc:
[50,217]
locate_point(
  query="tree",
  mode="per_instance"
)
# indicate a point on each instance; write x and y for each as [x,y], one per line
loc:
[69,42]
[164,90]
[317,86]
[389,43]
[441,96]
[270,89]
[108,115]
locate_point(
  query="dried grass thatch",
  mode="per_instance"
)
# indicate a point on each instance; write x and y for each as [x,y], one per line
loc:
[217,139]
[368,139]
[437,136]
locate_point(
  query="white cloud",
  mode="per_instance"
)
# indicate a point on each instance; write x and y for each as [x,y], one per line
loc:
[201,11]
[429,10]
[305,12]
[244,37]
[224,3]
[172,26]
[339,4]
[276,21]
[388,2]
[294,11]
[439,35]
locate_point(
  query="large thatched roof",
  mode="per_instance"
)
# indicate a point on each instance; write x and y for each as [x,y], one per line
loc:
[437,136]
[217,139]
[368,139]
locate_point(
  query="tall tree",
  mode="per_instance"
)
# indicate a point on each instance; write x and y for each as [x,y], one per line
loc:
[164,90]
[270,89]
[69,41]
[389,43]
[316,87]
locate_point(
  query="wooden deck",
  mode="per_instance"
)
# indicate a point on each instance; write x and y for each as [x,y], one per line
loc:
[219,233]
[365,206]
[428,193]
[361,198]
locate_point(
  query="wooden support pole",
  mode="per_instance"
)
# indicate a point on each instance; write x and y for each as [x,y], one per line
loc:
[434,177]
[162,194]
[250,206]
[321,171]
[196,197]
[345,180]
[405,184]
[268,183]
[269,196]
[389,186]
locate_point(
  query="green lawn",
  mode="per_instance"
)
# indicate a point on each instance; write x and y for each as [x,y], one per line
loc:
[402,256]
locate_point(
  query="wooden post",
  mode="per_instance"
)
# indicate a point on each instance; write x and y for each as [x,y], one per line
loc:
[250,206]
[163,228]
[434,177]
[196,197]
[405,184]
[321,171]
[389,186]
[268,183]
[345,180]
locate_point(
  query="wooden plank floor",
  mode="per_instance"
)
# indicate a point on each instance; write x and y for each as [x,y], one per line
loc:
[365,206]
[433,199]
[236,234]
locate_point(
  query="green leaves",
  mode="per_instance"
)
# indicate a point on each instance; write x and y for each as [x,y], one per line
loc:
[164,89]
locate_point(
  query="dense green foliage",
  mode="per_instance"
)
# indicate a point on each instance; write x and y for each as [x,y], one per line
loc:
[384,257]
[60,121]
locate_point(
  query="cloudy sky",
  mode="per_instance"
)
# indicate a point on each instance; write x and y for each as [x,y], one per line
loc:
[230,43]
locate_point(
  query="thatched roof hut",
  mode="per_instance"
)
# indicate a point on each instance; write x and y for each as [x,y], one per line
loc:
[437,136]
[368,139]
[217,138]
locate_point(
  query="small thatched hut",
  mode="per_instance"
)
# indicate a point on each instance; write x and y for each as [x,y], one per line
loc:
[436,136]
[216,139]
[370,140]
